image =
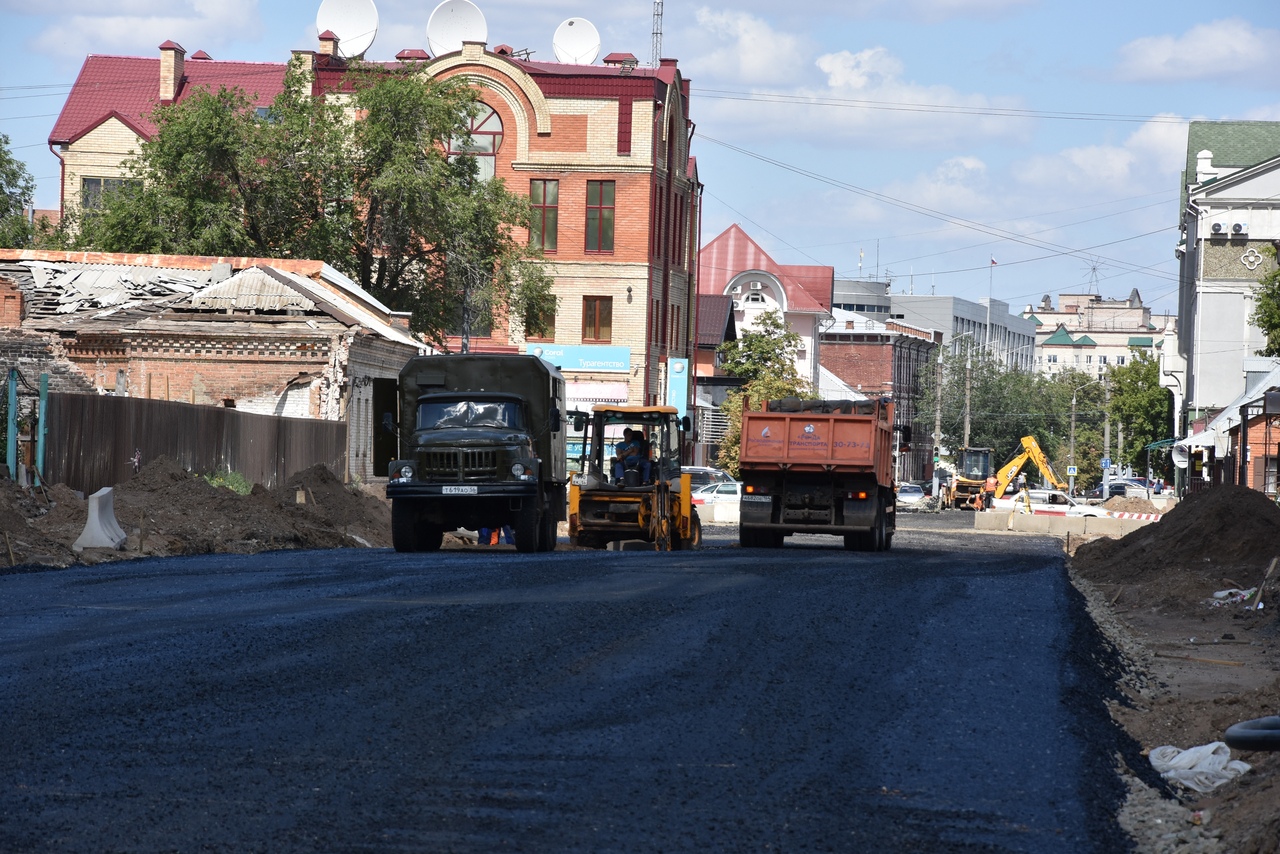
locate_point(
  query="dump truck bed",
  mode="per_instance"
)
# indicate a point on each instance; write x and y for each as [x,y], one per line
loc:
[808,441]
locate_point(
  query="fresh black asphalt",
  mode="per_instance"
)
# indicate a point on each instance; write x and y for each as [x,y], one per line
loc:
[948,696]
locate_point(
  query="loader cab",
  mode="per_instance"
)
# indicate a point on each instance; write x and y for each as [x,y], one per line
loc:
[630,446]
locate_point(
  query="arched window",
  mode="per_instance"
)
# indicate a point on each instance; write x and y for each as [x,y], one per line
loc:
[486,139]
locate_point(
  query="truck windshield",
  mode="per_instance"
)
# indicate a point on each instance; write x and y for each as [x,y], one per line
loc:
[438,415]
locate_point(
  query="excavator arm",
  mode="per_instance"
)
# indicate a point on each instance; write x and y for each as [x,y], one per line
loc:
[1042,462]
[1030,451]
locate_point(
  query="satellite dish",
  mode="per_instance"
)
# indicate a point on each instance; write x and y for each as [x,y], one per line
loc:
[454,22]
[354,22]
[576,42]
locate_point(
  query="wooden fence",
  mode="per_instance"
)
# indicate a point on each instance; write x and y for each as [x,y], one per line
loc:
[92,440]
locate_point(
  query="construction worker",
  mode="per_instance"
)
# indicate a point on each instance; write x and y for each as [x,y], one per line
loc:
[989,491]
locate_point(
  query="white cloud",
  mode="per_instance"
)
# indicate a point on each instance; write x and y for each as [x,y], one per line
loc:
[743,48]
[1150,159]
[1231,48]
[882,109]
[209,24]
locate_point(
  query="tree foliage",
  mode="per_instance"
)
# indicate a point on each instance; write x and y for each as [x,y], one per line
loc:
[17,189]
[362,181]
[1266,307]
[764,356]
[1142,407]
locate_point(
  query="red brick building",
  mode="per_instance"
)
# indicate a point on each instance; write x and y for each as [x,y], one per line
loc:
[602,151]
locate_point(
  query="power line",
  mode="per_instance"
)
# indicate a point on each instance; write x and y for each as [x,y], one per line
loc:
[955,109]
[1055,248]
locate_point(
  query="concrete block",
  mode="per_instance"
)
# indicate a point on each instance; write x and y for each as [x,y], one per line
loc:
[724,513]
[991,521]
[1104,526]
[101,530]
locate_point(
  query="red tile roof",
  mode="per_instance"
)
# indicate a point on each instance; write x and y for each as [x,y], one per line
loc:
[129,88]
[808,287]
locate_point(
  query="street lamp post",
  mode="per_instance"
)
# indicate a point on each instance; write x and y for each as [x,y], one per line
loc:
[1071,456]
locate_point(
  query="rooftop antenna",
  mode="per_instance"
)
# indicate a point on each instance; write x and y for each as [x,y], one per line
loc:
[576,42]
[1095,264]
[656,59]
[454,22]
[354,22]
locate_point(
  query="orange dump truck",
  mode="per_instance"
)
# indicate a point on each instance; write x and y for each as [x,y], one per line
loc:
[818,467]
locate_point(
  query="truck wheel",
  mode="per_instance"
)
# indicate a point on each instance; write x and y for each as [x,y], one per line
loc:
[404,526]
[876,539]
[430,539]
[747,538]
[547,533]
[527,528]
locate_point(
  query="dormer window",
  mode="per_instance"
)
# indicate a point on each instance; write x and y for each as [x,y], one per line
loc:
[755,297]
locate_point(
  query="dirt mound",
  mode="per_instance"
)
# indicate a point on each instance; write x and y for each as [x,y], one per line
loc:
[1121,504]
[22,539]
[166,510]
[317,492]
[1224,527]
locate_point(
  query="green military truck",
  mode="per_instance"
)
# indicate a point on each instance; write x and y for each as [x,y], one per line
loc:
[482,444]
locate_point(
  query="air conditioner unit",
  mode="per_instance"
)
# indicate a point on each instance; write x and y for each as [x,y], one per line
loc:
[757,286]
[1218,228]
[736,289]
[737,304]
[1240,228]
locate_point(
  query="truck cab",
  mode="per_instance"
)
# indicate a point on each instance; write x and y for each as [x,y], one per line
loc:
[482,444]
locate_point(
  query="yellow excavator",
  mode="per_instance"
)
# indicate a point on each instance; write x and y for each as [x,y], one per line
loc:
[1030,452]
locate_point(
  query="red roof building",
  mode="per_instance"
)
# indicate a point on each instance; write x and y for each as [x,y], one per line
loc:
[603,151]
[734,265]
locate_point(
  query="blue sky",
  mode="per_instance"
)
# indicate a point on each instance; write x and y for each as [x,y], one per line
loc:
[910,139]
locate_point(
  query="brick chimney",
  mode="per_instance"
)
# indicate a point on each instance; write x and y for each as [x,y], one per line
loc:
[328,43]
[172,62]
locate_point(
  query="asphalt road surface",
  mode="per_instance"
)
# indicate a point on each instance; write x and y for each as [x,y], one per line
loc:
[947,696]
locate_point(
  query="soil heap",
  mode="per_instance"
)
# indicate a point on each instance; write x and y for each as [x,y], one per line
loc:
[166,510]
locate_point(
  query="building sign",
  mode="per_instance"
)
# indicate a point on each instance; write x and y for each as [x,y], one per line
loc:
[604,358]
[678,385]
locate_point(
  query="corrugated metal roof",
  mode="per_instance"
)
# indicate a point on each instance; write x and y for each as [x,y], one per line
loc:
[251,290]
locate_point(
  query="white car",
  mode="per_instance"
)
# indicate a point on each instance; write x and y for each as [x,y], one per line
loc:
[1046,502]
[718,493]
[910,493]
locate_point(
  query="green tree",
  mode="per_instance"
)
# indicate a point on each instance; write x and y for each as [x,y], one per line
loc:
[765,357]
[375,196]
[17,189]
[1141,406]
[1266,306]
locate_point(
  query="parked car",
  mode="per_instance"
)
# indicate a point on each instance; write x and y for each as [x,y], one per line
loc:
[718,493]
[703,475]
[910,493]
[1118,486]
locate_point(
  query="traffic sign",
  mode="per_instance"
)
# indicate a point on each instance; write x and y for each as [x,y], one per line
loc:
[1106,462]
[1071,471]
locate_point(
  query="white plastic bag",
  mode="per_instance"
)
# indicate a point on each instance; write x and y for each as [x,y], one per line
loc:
[1202,768]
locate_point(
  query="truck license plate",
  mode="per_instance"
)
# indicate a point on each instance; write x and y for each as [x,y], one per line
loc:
[459,490]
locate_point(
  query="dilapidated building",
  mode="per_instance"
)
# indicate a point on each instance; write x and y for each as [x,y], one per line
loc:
[279,337]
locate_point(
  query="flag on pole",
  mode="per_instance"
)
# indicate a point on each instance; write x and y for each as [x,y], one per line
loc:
[993,260]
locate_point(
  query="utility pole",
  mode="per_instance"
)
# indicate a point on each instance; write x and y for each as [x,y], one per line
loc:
[1106,439]
[1071,456]
[937,427]
[968,385]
